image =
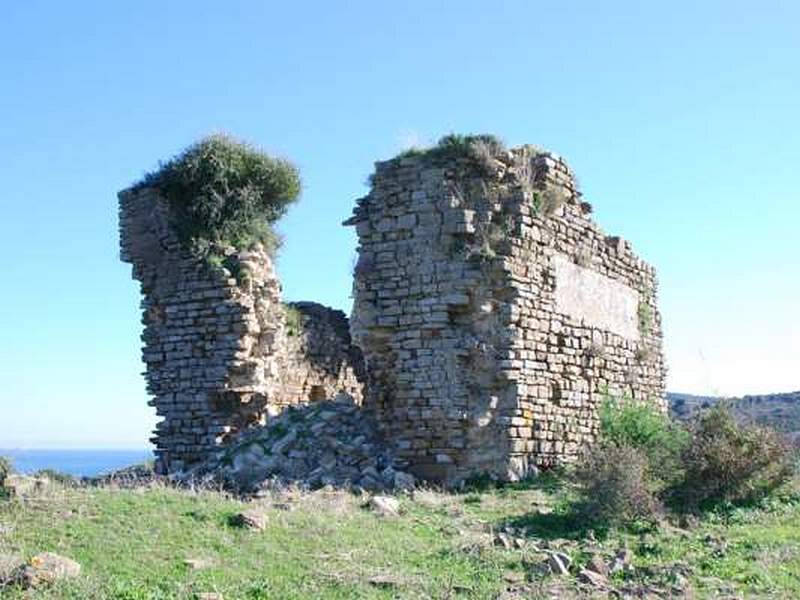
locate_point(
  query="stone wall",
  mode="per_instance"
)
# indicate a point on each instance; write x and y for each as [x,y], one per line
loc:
[220,352]
[494,315]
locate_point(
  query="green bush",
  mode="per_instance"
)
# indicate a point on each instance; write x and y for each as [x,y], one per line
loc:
[6,469]
[626,423]
[617,486]
[727,461]
[223,192]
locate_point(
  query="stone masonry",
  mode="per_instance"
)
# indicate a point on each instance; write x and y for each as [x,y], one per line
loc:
[494,315]
[222,351]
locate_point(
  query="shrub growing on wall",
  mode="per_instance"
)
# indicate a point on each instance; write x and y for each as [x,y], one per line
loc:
[224,192]
[480,149]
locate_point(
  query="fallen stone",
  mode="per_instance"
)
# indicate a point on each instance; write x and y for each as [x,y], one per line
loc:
[623,561]
[597,564]
[385,581]
[250,519]
[196,564]
[385,506]
[559,563]
[209,596]
[21,485]
[513,577]
[592,578]
[504,540]
[10,566]
[46,568]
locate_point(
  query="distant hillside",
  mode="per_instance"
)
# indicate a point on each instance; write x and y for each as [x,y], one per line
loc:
[781,411]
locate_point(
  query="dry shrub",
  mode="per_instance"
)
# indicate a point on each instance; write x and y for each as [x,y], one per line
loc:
[727,461]
[617,486]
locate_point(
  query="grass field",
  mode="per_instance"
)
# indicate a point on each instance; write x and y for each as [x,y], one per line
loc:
[133,544]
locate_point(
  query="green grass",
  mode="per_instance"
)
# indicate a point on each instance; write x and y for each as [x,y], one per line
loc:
[132,543]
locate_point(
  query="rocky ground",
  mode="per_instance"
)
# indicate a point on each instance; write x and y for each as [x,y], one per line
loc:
[510,542]
[325,443]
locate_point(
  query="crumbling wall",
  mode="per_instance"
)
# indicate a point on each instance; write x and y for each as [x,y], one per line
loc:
[494,315]
[220,353]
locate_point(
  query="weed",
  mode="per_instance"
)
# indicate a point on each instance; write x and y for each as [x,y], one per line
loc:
[294,320]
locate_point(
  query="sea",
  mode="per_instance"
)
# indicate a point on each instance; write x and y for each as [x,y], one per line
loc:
[80,463]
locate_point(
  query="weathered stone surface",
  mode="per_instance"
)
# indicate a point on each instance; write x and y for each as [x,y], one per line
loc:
[559,563]
[594,299]
[325,443]
[597,564]
[251,519]
[24,485]
[592,578]
[46,568]
[491,316]
[494,326]
[385,506]
[10,567]
[222,352]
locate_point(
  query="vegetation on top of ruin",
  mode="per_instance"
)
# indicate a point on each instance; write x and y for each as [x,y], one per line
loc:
[482,150]
[479,148]
[223,192]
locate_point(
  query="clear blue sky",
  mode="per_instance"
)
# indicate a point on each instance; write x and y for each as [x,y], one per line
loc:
[682,120]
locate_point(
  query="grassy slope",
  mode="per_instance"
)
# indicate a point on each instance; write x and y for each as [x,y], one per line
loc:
[132,544]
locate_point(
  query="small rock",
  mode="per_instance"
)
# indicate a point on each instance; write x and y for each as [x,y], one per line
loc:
[384,581]
[592,578]
[513,577]
[195,564]
[251,519]
[559,563]
[597,565]
[623,561]
[385,506]
[10,566]
[47,568]
[503,539]
[209,596]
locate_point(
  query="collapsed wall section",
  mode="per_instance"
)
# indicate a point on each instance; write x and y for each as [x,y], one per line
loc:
[494,315]
[222,352]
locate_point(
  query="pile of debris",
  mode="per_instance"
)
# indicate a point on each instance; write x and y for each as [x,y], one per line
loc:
[332,442]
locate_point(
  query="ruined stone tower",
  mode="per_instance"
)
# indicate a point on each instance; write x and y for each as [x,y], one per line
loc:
[221,349]
[493,314]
